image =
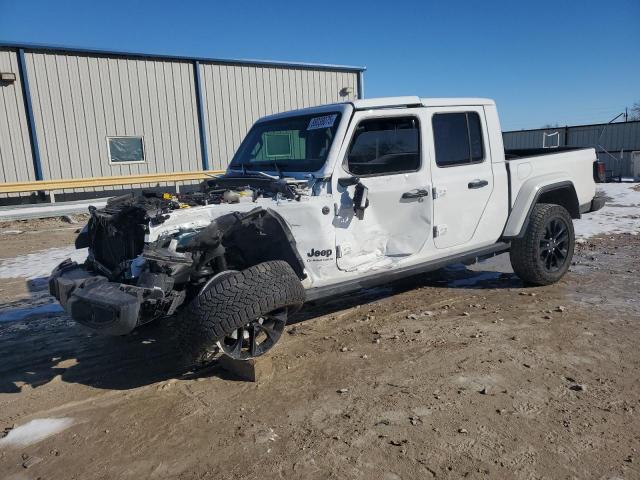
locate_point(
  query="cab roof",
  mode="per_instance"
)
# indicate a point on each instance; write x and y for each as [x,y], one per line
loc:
[390,102]
[382,102]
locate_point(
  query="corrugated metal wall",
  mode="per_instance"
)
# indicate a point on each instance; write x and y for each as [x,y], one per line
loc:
[529,138]
[612,137]
[614,142]
[236,96]
[617,163]
[16,162]
[616,136]
[80,100]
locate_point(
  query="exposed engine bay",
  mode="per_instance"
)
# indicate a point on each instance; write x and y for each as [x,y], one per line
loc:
[127,281]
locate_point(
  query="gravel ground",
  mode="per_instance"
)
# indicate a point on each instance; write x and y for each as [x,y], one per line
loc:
[460,373]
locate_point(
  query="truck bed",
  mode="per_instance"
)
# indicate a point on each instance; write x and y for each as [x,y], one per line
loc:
[575,164]
[517,153]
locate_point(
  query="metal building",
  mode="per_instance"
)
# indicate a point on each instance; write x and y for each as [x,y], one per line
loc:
[617,144]
[72,113]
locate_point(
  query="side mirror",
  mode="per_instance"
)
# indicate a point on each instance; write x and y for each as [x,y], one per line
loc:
[360,200]
[345,182]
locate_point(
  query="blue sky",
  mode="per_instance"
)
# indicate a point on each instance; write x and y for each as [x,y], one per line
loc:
[542,61]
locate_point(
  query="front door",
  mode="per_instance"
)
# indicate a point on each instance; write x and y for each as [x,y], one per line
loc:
[385,153]
[461,173]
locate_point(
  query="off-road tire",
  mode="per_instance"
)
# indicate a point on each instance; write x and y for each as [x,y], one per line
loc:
[526,252]
[235,300]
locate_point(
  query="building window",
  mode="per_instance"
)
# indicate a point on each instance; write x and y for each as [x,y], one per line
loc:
[385,146]
[457,138]
[125,149]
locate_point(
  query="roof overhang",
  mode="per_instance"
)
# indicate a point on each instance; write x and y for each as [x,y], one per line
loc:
[61,49]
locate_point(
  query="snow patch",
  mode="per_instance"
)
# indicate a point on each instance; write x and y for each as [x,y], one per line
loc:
[39,264]
[15,314]
[49,210]
[35,431]
[621,213]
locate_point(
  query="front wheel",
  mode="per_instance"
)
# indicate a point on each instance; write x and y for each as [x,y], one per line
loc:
[241,313]
[543,255]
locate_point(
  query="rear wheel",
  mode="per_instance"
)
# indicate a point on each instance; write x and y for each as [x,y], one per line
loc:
[241,313]
[543,255]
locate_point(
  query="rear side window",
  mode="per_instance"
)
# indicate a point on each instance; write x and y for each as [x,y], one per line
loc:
[457,138]
[385,146]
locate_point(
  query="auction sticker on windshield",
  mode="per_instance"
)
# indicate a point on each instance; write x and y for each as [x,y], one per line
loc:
[325,121]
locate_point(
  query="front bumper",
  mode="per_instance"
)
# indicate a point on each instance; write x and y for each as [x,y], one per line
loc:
[594,205]
[93,301]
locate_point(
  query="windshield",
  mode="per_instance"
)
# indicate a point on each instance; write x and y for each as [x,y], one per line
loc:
[298,144]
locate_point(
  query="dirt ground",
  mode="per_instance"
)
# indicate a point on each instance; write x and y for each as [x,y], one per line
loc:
[460,373]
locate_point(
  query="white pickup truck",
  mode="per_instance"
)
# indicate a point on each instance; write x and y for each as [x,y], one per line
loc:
[319,202]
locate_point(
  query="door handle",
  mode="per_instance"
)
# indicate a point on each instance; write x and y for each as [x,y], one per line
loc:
[477,184]
[416,193]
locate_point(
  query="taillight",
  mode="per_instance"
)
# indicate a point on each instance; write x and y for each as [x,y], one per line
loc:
[599,173]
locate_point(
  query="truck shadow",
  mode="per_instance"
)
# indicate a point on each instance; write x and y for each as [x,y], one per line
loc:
[50,347]
[456,277]
[53,348]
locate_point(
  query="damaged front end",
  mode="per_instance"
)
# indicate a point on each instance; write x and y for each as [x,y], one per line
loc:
[126,282]
[108,307]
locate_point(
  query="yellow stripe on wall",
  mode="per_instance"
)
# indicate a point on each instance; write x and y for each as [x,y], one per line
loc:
[49,185]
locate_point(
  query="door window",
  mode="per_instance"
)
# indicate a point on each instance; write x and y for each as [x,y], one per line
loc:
[385,146]
[457,138]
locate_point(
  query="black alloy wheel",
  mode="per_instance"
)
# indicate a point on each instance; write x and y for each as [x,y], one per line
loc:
[554,246]
[256,338]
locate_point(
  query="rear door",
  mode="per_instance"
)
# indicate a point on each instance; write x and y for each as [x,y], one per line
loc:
[461,173]
[385,152]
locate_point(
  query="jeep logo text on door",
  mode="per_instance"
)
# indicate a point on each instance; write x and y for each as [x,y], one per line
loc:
[319,255]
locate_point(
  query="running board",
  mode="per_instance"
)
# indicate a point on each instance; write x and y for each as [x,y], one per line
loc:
[383,277]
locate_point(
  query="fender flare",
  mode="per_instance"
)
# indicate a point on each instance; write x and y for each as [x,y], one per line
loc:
[259,235]
[528,196]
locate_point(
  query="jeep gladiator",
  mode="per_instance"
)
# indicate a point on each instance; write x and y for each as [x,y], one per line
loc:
[322,201]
